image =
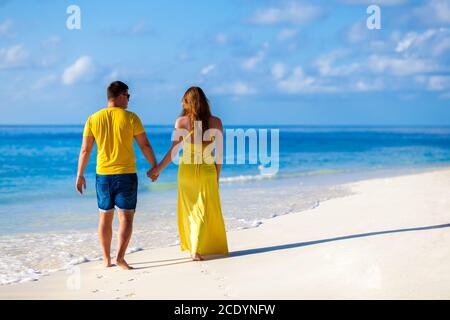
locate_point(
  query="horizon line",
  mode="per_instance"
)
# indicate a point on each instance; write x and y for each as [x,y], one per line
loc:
[244,125]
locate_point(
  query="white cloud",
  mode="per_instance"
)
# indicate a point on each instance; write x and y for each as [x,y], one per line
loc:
[5,28]
[298,82]
[52,41]
[438,83]
[441,46]
[286,34]
[112,76]
[252,62]
[414,39]
[431,41]
[406,42]
[377,2]
[14,57]
[140,28]
[278,71]
[49,60]
[365,86]
[221,39]
[434,12]
[445,95]
[83,69]
[325,65]
[207,69]
[357,32]
[380,45]
[435,83]
[184,56]
[292,12]
[401,66]
[236,88]
[44,81]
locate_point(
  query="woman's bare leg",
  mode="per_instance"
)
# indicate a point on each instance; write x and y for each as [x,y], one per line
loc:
[197,257]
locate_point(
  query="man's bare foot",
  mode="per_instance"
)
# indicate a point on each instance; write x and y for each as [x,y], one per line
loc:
[107,264]
[123,264]
[197,257]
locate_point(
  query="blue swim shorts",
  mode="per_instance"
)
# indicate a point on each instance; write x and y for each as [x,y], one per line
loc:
[118,190]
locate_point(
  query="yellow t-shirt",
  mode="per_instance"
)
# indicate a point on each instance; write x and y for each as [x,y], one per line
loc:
[114,130]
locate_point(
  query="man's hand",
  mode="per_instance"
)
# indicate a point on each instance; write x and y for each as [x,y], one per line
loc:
[81,182]
[153,173]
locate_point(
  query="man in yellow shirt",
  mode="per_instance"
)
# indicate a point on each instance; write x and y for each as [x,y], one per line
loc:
[114,129]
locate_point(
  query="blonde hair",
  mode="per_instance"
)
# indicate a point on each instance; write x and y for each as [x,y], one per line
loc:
[196,107]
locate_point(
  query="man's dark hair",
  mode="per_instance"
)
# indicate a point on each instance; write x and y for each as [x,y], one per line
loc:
[115,89]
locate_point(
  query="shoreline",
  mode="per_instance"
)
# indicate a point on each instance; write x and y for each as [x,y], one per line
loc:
[56,285]
[335,180]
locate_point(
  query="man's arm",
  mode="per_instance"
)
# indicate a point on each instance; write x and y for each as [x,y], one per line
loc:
[85,152]
[146,148]
[176,144]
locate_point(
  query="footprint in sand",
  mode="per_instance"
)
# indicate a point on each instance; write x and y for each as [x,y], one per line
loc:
[223,286]
[222,280]
[97,290]
[204,269]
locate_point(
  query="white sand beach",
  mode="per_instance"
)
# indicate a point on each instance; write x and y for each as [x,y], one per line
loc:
[389,239]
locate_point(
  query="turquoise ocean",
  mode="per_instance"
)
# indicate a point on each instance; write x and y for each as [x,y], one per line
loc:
[46,226]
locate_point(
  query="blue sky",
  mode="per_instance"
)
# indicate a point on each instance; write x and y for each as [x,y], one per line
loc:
[260,62]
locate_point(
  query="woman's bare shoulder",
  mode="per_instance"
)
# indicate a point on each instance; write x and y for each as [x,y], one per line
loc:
[182,122]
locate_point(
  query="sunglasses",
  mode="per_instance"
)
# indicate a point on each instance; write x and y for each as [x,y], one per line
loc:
[127,95]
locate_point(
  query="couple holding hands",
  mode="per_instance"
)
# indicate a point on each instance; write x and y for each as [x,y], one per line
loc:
[114,129]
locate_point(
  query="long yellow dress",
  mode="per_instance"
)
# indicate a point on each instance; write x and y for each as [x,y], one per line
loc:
[200,221]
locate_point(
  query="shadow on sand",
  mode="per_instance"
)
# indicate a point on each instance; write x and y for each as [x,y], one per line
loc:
[288,246]
[352,236]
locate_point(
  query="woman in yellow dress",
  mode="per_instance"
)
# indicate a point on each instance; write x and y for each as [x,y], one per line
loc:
[200,221]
